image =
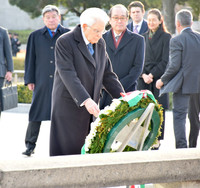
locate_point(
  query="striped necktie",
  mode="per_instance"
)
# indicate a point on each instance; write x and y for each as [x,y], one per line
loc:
[135,29]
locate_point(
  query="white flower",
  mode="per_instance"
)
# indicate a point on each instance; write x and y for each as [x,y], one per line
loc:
[115,103]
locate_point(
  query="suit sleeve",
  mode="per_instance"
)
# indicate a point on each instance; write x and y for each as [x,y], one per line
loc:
[7,52]
[174,60]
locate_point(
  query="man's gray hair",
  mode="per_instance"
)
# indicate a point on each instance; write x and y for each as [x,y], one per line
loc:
[185,17]
[50,8]
[91,15]
[118,6]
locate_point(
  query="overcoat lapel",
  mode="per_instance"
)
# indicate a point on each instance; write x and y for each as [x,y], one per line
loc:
[110,42]
[125,39]
[151,42]
[82,46]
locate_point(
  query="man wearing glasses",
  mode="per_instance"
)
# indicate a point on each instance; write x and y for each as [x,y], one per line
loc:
[125,50]
[82,69]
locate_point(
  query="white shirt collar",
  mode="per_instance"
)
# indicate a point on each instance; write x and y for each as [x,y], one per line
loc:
[116,34]
[139,25]
[84,38]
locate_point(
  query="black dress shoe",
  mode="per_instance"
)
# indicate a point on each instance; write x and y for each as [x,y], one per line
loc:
[28,152]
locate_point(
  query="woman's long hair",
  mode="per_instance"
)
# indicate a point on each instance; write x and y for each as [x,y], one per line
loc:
[157,12]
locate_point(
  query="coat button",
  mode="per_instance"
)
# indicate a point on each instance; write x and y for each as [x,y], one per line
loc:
[51,61]
[51,47]
[51,76]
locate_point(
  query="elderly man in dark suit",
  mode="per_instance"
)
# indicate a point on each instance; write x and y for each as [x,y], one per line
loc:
[39,72]
[136,12]
[6,62]
[126,53]
[182,76]
[82,69]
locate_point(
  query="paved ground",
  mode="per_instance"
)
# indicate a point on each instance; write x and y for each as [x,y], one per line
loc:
[13,124]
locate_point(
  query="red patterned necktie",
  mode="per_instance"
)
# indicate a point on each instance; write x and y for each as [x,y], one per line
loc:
[53,33]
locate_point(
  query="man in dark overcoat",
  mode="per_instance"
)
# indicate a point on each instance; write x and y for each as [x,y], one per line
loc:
[82,69]
[126,53]
[39,72]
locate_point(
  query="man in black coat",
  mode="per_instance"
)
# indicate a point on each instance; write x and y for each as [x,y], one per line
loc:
[126,53]
[39,72]
[82,69]
[136,12]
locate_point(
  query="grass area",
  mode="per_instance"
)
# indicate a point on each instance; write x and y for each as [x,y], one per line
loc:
[18,63]
[23,35]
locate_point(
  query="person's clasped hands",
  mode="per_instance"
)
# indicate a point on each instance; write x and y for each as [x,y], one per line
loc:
[148,78]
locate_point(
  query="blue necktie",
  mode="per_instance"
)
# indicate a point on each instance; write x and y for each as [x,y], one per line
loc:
[90,48]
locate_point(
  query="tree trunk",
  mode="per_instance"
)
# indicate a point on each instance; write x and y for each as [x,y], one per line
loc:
[169,14]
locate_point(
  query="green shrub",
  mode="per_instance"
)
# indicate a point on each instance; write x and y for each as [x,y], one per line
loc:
[23,35]
[24,94]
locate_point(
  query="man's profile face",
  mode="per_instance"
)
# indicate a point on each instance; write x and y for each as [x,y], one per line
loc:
[51,19]
[94,32]
[136,14]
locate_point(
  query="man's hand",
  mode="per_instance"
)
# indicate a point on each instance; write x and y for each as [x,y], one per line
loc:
[92,107]
[8,76]
[31,86]
[159,84]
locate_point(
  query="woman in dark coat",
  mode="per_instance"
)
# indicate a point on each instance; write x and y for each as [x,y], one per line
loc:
[156,59]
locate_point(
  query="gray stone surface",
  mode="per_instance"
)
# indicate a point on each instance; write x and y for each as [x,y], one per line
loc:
[102,170]
[99,170]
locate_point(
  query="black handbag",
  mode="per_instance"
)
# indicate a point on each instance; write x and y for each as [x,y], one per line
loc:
[9,95]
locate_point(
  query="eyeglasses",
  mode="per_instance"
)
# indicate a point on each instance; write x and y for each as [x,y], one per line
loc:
[119,18]
[96,30]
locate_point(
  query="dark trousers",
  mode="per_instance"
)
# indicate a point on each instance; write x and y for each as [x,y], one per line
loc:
[32,133]
[193,114]
[1,85]
[180,109]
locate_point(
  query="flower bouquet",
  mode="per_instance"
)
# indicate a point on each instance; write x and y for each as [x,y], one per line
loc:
[130,103]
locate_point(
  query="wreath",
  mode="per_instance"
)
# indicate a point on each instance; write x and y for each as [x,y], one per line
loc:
[110,115]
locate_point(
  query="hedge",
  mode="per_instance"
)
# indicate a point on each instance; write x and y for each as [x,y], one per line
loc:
[24,94]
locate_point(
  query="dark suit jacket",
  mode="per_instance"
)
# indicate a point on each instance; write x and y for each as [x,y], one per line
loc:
[144,27]
[127,60]
[6,62]
[78,76]
[39,69]
[183,72]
